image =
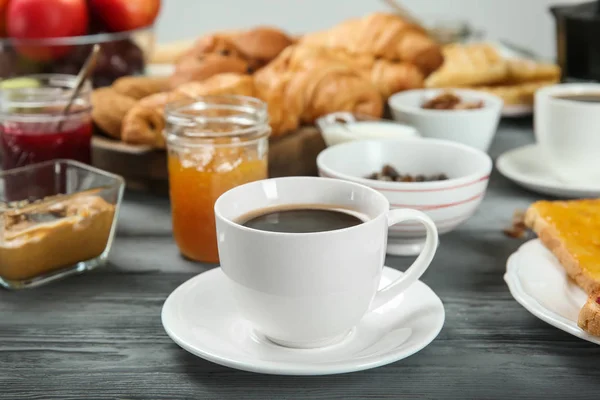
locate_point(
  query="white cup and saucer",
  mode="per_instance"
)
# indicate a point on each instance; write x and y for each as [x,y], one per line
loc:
[565,160]
[307,303]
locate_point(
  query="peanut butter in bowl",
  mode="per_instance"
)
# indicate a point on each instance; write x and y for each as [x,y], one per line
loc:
[55,233]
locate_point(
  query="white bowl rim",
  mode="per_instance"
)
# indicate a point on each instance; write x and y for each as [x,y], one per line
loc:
[325,122]
[451,183]
[491,102]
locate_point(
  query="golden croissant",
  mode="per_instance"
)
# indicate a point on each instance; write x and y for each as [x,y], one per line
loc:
[382,35]
[138,87]
[299,88]
[238,51]
[110,107]
[389,77]
[293,96]
[145,122]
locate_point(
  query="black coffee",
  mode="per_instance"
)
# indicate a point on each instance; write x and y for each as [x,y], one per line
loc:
[583,97]
[300,219]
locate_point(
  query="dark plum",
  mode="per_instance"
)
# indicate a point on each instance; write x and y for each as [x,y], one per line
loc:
[116,59]
[70,63]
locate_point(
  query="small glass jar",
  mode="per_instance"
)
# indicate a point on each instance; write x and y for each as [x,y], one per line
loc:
[214,144]
[33,126]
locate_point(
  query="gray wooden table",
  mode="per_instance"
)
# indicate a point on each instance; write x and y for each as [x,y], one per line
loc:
[99,335]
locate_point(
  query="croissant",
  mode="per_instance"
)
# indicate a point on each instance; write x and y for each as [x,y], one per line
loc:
[262,43]
[235,51]
[221,84]
[389,77]
[109,109]
[300,92]
[192,69]
[139,87]
[145,122]
[212,44]
[298,88]
[382,35]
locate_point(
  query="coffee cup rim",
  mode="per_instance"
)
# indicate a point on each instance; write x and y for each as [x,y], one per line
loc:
[237,225]
[549,93]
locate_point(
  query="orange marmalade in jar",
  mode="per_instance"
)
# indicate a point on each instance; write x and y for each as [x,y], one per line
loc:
[214,143]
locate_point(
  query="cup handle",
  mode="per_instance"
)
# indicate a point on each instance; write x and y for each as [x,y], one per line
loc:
[414,272]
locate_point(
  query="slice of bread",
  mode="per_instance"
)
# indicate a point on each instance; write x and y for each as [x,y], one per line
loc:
[571,231]
[469,65]
[589,316]
[521,93]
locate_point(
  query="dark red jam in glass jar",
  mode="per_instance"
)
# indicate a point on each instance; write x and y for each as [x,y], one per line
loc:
[33,126]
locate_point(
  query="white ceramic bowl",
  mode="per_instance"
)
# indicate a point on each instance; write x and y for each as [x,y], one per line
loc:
[343,127]
[475,128]
[449,203]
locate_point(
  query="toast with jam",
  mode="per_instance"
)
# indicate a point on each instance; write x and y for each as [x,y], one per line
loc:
[589,316]
[571,231]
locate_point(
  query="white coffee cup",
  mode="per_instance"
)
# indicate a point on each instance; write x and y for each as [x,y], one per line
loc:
[309,290]
[568,132]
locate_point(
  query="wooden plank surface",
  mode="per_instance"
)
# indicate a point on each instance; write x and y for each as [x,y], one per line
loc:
[99,335]
[145,169]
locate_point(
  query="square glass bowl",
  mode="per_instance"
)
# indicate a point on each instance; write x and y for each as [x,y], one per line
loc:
[57,218]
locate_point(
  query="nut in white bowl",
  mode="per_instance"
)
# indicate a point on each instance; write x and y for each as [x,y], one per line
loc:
[448,202]
[343,127]
[473,127]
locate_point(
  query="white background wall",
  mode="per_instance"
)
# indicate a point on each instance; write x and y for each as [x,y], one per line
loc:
[524,22]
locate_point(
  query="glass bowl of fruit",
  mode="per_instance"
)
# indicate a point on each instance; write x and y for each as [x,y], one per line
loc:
[56,36]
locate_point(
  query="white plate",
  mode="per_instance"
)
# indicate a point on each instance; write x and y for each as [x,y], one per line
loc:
[201,317]
[540,284]
[527,167]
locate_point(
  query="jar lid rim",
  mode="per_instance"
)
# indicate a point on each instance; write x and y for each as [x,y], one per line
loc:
[243,107]
[49,89]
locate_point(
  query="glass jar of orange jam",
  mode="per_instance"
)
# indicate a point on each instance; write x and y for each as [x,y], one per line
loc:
[214,143]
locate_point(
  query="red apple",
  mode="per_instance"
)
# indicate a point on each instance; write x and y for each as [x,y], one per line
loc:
[42,19]
[3,7]
[125,15]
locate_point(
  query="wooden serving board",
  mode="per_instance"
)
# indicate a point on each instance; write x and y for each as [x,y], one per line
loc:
[145,168]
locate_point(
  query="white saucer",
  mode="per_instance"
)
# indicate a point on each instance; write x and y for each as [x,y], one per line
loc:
[526,167]
[540,284]
[201,317]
